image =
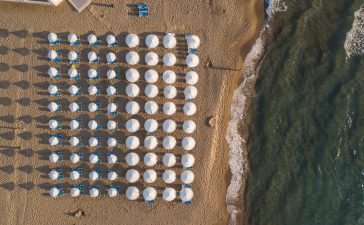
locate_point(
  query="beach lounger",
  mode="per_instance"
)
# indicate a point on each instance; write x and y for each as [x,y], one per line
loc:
[96,60]
[58,59]
[79,187]
[56,42]
[60,176]
[60,137]
[149,202]
[59,154]
[187,202]
[192,51]
[76,43]
[143,13]
[97,43]
[143,6]
[60,188]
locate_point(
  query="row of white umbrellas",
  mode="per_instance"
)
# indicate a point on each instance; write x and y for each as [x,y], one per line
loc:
[132,40]
[132,107]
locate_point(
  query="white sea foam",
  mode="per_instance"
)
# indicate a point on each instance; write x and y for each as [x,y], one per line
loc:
[354,43]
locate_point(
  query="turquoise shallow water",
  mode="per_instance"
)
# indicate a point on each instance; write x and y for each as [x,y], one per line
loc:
[306,141]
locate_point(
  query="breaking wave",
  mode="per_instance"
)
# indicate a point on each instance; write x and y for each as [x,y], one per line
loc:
[354,43]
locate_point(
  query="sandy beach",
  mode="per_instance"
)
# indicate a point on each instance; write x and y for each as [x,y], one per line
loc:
[227,30]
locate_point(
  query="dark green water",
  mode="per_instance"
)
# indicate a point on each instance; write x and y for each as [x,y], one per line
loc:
[306,141]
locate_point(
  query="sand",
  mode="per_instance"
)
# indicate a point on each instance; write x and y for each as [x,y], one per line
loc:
[227,30]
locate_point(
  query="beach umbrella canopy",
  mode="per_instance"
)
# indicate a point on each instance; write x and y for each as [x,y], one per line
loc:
[151,91]
[75,175]
[111,125]
[169,194]
[92,90]
[92,107]
[132,175]
[111,90]
[169,108]
[192,60]
[54,192]
[132,75]
[75,158]
[52,37]
[52,72]
[73,89]
[190,92]
[72,72]
[151,125]
[169,41]
[93,158]
[53,157]
[52,106]
[152,41]
[132,125]
[149,194]
[110,57]
[94,192]
[92,56]
[53,124]
[111,107]
[93,175]
[111,142]
[53,140]
[169,126]
[53,175]
[132,90]
[151,58]
[169,142]
[111,74]
[150,142]
[112,192]
[132,193]
[75,192]
[188,143]
[170,92]
[92,141]
[74,124]
[150,176]
[72,38]
[112,159]
[74,107]
[169,176]
[52,54]
[132,142]
[150,159]
[132,58]
[151,107]
[169,59]
[186,194]
[132,159]
[151,76]
[74,141]
[193,41]
[110,39]
[187,177]
[112,175]
[187,160]
[132,40]
[169,159]
[92,73]
[72,55]
[169,76]
[189,108]
[132,107]
[191,78]
[189,126]
[91,38]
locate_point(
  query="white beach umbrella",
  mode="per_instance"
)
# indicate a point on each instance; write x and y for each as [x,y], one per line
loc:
[169,142]
[72,72]
[132,193]
[91,38]
[186,194]
[111,107]
[53,140]
[93,158]
[150,176]
[132,58]
[72,55]
[52,37]
[151,76]
[170,92]
[92,107]
[191,78]
[74,107]
[132,175]
[189,126]
[74,141]
[187,160]
[150,142]
[169,159]
[92,73]
[169,108]
[169,126]
[54,192]
[132,40]
[53,175]
[73,89]
[193,41]
[187,177]
[74,124]
[132,90]
[151,107]
[53,124]
[151,58]
[75,192]
[169,41]
[150,125]
[150,159]
[152,41]
[52,54]
[132,125]
[132,75]
[112,159]
[192,60]
[169,176]
[75,175]
[190,92]
[111,90]
[132,107]
[72,38]
[149,194]
[111,74]
[111,125]
[94,192]
[110,57]
[189,108]
[188,143]
[112,192]
[93,175]
[92,90]
[132,142]
[75,158]
[132,159]
[112,175]
[110,39]
[169,59]
[53,157]
[151,91]
[92,141]
[52,72]
[169,76]
[111,142]
[53,107]
[169,194]
[92,56]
